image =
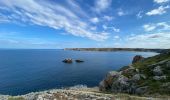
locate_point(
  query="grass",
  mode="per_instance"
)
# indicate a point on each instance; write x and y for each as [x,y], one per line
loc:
[144,68]
[16,98]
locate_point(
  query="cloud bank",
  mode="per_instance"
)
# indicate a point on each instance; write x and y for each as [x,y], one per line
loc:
[54,16]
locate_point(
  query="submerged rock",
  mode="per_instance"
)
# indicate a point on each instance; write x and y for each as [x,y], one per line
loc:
[68,60]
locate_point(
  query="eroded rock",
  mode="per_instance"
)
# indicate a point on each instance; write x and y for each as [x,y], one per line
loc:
[137,58]
[157,71]
[157,78]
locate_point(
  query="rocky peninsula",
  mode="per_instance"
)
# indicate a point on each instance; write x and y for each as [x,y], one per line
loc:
[119,49]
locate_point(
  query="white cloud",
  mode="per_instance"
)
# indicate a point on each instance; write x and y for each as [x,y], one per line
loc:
[79,10]
[94,20]
[154,40]
[139,15]
[105,27]
[111,28]
[149,27]
[161,1]
[159,11]
[116,37]
[102,5]
[116,29]
[121,12]
[93,28]
[108,18]
[158,26]
[52,15]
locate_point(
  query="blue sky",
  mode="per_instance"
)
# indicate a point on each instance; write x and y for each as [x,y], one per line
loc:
[84,23]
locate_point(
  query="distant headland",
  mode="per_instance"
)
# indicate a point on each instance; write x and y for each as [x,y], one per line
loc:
[118,49]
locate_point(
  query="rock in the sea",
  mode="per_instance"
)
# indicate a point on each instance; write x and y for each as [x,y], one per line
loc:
[68,60]
[79,61]
[157,71]
[137,58]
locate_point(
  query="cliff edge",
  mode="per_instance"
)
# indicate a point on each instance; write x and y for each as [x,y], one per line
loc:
[150,76]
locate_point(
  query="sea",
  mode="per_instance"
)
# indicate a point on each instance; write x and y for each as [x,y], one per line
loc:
[31,70]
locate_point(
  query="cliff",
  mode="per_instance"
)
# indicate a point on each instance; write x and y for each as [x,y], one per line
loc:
[151,76]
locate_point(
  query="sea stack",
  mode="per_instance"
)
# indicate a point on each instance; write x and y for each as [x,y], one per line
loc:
[68,60]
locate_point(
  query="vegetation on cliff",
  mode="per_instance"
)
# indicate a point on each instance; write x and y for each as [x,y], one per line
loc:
[149,76]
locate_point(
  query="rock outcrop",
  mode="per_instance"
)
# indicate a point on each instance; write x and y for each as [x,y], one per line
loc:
[68,60]
[143,78]
[137,58]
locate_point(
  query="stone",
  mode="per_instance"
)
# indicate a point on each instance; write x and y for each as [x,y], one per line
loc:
[157,71]
[136,77]
[141,90]
[137,58]
[120,84]
[168,65]
[166,85]
[157,78]
[68,60]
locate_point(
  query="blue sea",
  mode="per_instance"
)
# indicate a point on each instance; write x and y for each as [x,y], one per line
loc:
[29,70]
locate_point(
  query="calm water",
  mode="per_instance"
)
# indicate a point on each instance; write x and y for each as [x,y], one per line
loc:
[23,71]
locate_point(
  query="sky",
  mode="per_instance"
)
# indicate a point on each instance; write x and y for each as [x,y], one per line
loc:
[54,24]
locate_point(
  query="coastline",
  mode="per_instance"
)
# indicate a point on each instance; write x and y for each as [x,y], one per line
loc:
[78,93]
[119,49]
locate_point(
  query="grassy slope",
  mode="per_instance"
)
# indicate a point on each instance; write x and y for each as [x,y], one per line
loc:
[144,68]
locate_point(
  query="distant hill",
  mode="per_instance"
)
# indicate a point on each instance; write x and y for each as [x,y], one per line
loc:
[118,49]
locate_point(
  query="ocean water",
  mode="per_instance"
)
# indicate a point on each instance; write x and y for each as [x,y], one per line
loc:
[24,71]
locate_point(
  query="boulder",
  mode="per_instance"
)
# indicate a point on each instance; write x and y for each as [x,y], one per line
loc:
[168,65]
[157,78]
[157,71]
[115,82]
[141,90]
[138,77]
[166,85]
[120,84]
[108,80]
[137,58]
[68,60]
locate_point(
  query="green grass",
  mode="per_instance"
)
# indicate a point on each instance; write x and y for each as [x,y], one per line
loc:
[144,68]
[16,98]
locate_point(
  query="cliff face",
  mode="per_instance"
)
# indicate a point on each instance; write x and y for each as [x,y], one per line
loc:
[149,76]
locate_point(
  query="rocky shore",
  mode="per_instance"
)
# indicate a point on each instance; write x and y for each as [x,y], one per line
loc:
[75,93]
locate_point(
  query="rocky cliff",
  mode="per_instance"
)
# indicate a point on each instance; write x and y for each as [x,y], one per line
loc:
[148,76]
